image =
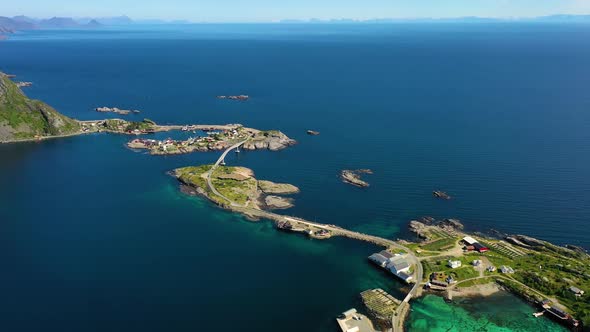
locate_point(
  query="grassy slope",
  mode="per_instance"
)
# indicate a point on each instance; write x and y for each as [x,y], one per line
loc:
[28,118]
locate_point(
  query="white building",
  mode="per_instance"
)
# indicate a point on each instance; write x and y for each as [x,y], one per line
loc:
[381,258]
[506,269]
[398,264]
[454,264]
[469,240]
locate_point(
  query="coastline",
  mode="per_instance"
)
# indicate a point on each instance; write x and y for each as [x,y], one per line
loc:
[481,290]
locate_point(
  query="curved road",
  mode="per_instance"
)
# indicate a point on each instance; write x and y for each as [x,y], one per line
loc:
[210,184]
[335,230]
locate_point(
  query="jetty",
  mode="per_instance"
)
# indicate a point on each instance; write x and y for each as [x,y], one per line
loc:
[381,305]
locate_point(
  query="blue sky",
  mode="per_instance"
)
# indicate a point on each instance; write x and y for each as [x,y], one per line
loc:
[269,10]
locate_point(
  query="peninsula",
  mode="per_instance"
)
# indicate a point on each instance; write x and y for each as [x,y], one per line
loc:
[444,259]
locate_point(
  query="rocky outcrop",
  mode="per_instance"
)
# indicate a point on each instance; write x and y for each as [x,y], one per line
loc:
[273,140]
[269,187]
[353,177]
[452,223]
[276,202]
[419,229]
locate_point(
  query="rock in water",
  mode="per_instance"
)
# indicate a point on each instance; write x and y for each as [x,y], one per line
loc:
[276,202]
[353,177]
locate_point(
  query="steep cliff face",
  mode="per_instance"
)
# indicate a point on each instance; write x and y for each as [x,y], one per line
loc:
[24,118]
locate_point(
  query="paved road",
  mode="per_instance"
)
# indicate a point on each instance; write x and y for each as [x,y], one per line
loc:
[210,184]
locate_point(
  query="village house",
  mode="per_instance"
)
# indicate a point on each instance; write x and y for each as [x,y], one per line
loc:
[506,269]
[577,292]
[472,244]
[454,264]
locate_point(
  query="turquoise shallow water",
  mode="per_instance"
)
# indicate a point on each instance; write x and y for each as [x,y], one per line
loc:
[97,237]
[497,313]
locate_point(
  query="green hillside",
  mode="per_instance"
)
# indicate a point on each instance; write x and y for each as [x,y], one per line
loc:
[25,118]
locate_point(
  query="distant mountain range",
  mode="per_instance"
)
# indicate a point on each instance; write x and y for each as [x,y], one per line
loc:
[11,24]
[466,19]
[16,23]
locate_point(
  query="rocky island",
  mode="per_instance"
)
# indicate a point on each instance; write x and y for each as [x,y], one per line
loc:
[441,194]
[237,184]
[353,177]
[238,97]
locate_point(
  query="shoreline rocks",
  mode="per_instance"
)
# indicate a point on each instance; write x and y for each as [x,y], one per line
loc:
[24,84]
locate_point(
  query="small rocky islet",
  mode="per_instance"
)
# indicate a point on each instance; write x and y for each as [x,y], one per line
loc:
[116,110]
[353,177]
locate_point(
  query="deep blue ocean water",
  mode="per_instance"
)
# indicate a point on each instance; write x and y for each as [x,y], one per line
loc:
[95,236]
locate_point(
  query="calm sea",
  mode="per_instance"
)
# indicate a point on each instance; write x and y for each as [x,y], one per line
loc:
[97,237]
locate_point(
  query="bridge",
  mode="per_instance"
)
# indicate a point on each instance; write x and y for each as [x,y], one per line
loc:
[396,319]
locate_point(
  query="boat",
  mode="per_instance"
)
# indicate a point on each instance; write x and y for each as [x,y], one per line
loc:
[222,163]
[238,150]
